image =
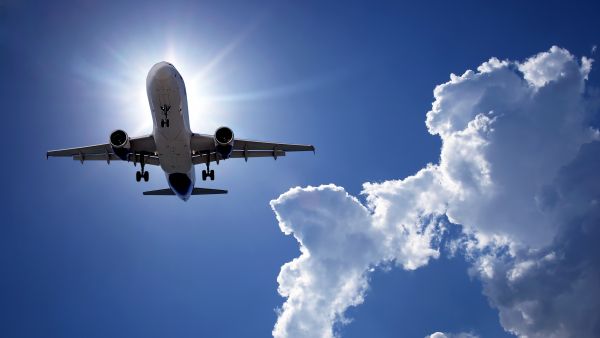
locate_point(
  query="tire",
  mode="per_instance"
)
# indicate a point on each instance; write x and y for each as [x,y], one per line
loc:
[138,176]
[204,175]
[146,176]
[212,175]
[162,123]
[167,123]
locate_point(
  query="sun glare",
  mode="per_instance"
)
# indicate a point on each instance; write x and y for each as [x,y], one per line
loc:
[206,71]
[125,84]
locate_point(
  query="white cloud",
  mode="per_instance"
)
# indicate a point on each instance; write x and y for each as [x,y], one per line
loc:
[330,274]
[340,243]
[545,67]
[452,335]
[516,141]
[554,291]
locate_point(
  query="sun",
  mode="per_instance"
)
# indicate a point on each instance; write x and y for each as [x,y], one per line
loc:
[122,77]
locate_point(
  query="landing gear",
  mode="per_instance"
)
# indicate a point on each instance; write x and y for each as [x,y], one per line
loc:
[165,109]
[139,175]
[142,173]
[210,173]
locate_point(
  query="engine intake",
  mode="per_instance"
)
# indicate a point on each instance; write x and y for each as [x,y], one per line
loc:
[119,141]
[224,141]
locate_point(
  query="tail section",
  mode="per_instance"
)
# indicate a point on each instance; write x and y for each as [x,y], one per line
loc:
[206,191]
[159,192]
[196,191]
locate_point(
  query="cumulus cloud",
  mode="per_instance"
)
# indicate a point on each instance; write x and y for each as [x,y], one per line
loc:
[517,170]
[554,291]
[339,244]
[452,335]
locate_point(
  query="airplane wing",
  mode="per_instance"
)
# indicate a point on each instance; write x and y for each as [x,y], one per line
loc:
[204,148]
[139,146]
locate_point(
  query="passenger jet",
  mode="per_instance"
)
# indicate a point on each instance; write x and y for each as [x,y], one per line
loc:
[172,145]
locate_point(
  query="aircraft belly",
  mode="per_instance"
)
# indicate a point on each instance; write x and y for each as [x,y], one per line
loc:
[168,102]
[174,154]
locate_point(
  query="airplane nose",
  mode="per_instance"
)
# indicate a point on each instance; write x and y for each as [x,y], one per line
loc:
[159,72]
[164,71]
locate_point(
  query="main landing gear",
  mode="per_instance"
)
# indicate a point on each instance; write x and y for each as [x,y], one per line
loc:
[208,173]
[165,109]
[139,176]
[142,173]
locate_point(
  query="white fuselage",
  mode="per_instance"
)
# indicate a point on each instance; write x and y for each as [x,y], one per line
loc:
[171,127]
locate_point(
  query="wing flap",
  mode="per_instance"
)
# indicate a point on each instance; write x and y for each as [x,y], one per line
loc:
[142,144]
[95,149]
[151,160]
[201,159]
[258,145]
[205,143]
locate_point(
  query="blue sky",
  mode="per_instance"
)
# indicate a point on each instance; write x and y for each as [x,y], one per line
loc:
[84,254]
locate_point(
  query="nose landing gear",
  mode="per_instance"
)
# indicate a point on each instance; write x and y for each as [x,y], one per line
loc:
[165,109]
[210,173]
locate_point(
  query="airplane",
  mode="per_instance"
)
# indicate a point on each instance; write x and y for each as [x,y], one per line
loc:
[172,145]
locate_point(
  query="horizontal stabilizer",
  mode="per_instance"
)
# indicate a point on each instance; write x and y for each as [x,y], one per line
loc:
[206,191]
[159,192]
[196,191]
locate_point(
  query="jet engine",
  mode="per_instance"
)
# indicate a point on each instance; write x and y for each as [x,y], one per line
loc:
[224,141]
[119,141]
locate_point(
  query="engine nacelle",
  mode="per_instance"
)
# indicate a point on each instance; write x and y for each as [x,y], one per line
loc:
[119,141]
[224,141]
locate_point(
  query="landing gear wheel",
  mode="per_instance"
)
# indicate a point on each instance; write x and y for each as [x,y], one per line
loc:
[162,123]
[204,175]
[146,176]
[167,123]
[138,176]
[212,175]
